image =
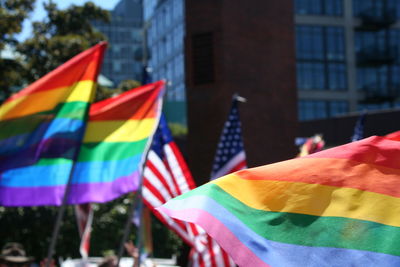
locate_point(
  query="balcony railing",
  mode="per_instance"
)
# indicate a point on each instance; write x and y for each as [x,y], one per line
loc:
[374,19]
[373,56]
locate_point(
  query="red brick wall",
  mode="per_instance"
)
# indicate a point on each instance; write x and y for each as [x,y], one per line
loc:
[253,54]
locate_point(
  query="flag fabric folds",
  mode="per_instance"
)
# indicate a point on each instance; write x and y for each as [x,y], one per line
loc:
[115,144]
[230,155]
[41,131]
[337,207]
[166,176]
[393,136]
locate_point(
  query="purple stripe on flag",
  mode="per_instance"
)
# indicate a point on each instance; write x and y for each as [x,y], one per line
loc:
[80,193]
[48,148]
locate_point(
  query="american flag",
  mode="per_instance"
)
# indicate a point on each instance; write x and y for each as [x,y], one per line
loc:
[230,156]
[166,176]
[359,128]
[84,217]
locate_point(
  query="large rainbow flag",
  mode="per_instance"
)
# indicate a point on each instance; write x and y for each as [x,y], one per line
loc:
[338,207]
[41,130]
[115,144]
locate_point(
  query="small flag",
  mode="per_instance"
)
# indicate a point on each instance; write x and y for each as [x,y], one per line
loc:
[230,155]
[115,143]
[41,130]
[359,128]
[84,218]
[337,207]
[166,176]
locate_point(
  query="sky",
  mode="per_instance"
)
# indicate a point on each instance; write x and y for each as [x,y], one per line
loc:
[39,13]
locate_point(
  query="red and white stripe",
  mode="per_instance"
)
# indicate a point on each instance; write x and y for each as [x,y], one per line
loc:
[84,217]
[237,163]
[168,178]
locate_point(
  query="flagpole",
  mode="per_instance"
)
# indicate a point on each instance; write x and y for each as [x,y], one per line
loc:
[138,197]
[61,210]
[131,211]
[63,206]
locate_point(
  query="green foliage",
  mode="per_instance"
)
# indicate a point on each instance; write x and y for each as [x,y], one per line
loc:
[104,93]
[127,85]
[60,36]
[32,227]
[178,129]
[12,14]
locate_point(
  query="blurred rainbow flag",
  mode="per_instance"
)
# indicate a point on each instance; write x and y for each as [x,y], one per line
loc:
[115,143]
[338,207]
[41,130]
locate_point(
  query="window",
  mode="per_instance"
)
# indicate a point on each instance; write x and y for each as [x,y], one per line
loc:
[319,7]
[310,76]
[337,107]
[177,9]
[378,7]
[321,109]
[378,81]
[320,53]
[336,76]
[335,43]
[116,66]
[309,42]
[168,45]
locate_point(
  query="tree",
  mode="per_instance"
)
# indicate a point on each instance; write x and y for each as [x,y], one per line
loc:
[60,36]
[12,14]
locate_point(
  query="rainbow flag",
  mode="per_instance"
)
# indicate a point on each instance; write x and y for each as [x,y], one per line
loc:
[115,143]
[41,130]
[338,207]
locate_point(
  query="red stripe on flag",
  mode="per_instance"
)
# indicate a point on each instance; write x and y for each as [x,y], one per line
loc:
[240,166]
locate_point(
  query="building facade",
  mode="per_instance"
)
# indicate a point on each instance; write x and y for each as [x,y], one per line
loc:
[347,56]
[125,38]
[244,47]
[165,28]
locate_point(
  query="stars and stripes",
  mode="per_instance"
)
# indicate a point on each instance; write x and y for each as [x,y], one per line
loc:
[230,155]
[166,176]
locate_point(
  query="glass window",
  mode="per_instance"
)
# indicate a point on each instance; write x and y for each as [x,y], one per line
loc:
[309,42]
[335,43]
[338,108]
[116,66]
[337,76]
[376,7]
[168,75]
[319,7]
[310,76]
[168,15]
[168,45]
[312,109]
[321,109]
[320,53]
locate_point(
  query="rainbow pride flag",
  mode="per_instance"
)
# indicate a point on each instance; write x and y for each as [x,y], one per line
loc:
[337,207]
[41,130]
[115,143]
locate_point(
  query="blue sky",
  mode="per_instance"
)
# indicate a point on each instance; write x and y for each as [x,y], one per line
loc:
[39,12]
